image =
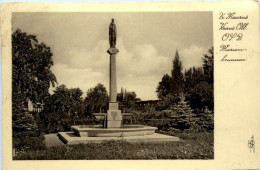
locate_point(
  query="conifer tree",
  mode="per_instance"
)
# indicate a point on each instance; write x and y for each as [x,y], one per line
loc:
[208,66]
[177,76]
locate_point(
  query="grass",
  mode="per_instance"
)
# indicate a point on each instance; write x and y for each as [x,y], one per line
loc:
[191,146]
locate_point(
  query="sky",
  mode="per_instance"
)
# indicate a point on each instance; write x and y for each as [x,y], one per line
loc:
[147,43]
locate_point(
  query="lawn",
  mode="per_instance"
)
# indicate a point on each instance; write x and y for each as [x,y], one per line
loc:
[192,146]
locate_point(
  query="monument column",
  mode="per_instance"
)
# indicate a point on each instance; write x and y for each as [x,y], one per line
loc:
[112,76]
[114,116]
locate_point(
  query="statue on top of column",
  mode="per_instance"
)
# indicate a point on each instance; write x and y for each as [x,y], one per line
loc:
[112,34]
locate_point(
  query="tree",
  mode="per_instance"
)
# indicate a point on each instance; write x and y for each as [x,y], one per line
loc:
[164,87]
[199,84]
[120,96]
[208,66]
[64,103]
[170,87]
[31,79]
[130,99]
[192,77]
[168,102]
[177,76]
[23,123]
[31,63]
[127,99]
[96,99]
[62,108]
[201,96]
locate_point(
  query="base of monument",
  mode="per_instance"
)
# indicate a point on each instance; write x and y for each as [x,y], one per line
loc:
[71,139]
[99,131]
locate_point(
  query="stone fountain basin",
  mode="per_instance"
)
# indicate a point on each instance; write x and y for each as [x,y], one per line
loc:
[99,131]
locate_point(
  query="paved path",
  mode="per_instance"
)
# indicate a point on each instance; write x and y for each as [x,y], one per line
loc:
[53,140]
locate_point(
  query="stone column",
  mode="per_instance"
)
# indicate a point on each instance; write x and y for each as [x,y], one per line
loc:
[114,116]
[112,76]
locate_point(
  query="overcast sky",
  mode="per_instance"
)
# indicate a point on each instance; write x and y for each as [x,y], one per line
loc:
[146,41]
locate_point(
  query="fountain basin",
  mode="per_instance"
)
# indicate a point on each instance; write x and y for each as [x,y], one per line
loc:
[99,131]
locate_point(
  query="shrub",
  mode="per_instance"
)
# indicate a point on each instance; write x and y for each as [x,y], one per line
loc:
[167,120]
[24,125]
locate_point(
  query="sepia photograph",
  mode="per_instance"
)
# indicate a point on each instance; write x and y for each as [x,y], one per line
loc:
[133,85]
[112,85]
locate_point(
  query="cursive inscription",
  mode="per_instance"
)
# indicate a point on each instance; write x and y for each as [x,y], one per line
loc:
[225,58]
[234,27]
[231,15]
[224,47]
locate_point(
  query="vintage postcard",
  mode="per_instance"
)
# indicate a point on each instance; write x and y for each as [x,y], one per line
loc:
[136,85]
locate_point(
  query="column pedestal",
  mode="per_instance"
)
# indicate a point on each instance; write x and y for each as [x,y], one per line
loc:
[114,116]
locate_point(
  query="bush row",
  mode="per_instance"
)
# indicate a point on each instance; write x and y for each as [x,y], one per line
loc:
[165,120]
